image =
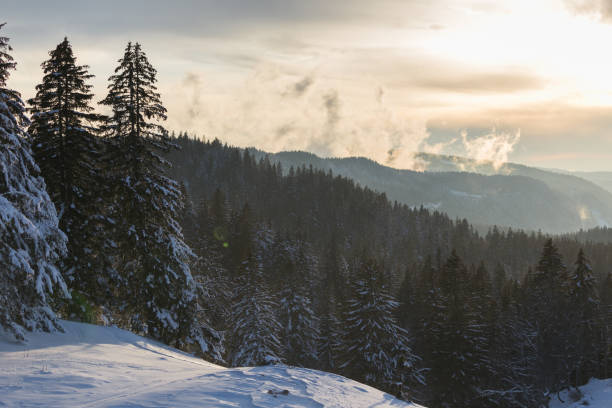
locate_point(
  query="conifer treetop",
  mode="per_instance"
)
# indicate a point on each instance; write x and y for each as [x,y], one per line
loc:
[133,96]
[64,88]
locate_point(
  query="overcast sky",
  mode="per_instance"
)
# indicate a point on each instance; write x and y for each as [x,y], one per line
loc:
[524,80]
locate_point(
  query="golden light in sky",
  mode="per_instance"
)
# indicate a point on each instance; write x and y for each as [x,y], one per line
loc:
[378,79]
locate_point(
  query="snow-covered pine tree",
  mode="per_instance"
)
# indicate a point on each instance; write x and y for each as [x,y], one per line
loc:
[212,280]
[300,326]
[30,240]
[67,150]
[375,350]
[330,336]
[256,330]
[514,354]
[159,290]
[255,338]
[187,215]
[333,269]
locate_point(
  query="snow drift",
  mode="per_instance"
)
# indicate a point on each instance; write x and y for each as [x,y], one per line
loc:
[94,366]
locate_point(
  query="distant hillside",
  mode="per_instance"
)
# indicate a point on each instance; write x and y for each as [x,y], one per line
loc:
[601,178]
[511,195]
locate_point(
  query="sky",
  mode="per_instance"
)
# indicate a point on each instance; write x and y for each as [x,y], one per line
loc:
[519,80]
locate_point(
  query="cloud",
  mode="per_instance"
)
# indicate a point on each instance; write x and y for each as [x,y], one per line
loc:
[553,133]
[331,102]
[420,71]
[193,85]
[598,8]
[347,78]
[380,94]
[550,121]
[436,27]
[493,147]
[486,82]
[323,143]
[266,112]
[300,87]
[277,110]
[192,17]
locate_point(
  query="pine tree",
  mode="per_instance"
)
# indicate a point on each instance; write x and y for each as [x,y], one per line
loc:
[426,322]
[584,317]
[482,318]
[376,350]
[256,331]
[458,352]
[605,316]
[330,336]
[30,240]
[255,338]
[548,309]
[300,326]
[329,307]
[212,280]
[407,301]
[514,354]
[63,134]
[152,257]
[187,216]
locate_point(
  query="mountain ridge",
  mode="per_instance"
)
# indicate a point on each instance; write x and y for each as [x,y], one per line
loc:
[485,193]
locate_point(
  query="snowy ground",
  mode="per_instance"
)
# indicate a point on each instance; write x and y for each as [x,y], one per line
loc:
[93,366]
[596,394]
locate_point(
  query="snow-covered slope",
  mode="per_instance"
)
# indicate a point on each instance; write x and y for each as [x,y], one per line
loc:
[596,394]
[94,366]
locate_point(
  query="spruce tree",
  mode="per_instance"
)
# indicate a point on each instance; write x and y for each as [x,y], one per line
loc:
[515,354]
[30,240]
[255,338]
[212,280]
[605,316]
[584,315]
[482,317]
[158,287]
[457,340]
[63,136]
[300,326]
[407,301]
[256,331]
[427,322]
[549,313]
[375,349]
[330,336]
[332,288]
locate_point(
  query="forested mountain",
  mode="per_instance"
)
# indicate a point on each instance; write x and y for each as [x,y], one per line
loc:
[465,300]
[319,204]
[511,195]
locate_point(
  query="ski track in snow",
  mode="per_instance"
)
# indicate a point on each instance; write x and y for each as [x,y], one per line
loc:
[94,366]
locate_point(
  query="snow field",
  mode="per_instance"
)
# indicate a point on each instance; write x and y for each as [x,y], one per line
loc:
[94,366]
